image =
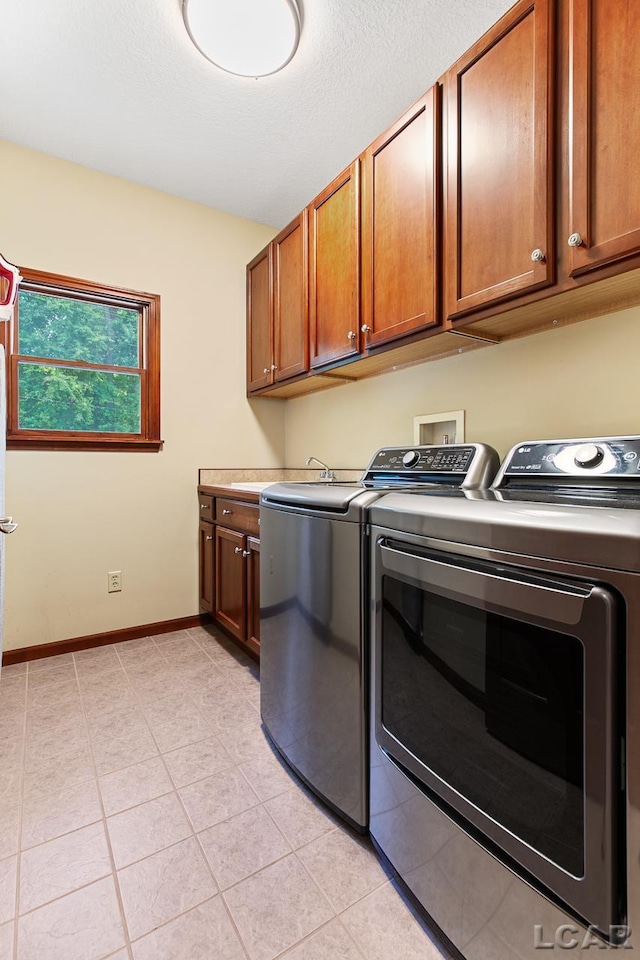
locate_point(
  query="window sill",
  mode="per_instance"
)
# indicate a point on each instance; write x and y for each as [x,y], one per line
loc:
[118,444]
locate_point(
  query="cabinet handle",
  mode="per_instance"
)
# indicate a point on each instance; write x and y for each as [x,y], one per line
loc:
[226,513]
[208,538]
[365,328]
[351,335]
[575,240]
[538,256]
[204,506]
[237,550]
[274,366]
[266,370]
[7,525]
[246,553]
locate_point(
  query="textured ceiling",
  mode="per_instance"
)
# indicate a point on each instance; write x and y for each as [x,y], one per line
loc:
[118,86]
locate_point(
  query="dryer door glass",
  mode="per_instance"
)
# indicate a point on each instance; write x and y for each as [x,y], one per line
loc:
[495,708]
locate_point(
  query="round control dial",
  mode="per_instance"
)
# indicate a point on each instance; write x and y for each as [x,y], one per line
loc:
[410,458]
[588,455]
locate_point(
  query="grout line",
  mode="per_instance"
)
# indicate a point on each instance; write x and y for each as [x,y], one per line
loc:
[235,765]
[114,874]
[61,896]
[203,855]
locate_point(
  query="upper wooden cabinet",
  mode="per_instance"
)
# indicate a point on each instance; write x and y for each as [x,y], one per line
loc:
[400,214]
[334,269]
[259,321]
[604,131]
[499,171]
[277,309]
[291,300]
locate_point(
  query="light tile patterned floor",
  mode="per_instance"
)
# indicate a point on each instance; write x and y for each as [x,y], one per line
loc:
[143,815]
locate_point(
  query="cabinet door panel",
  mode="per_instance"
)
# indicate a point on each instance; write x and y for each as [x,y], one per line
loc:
[605,131]
[231,581]
[334,256]
[253,594]
[206,557]
[500,163]
[259,322]
[291,300]
[400,225]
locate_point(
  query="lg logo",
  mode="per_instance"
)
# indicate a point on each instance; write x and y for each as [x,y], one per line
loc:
[569,937]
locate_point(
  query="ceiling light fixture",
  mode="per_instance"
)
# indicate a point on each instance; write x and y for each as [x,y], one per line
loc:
[250,38]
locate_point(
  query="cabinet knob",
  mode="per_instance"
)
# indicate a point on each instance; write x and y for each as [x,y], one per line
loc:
[208,538]
[246,553]
[226,513]
[237,549]
[351,335]
[365,328]
[204,506]
[274,366]
[266,370]
[575,240]
[538,256]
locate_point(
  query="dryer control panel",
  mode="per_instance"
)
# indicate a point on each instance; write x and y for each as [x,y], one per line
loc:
[616,458]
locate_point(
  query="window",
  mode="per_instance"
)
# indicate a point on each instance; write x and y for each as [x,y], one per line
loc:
[83,366]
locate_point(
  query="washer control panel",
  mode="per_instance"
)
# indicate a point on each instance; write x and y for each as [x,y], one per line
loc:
[450,458]
[615,457]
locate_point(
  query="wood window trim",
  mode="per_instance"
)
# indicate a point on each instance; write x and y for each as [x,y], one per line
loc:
[72,288]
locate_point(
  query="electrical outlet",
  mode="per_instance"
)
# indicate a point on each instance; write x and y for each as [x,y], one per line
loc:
[114,581]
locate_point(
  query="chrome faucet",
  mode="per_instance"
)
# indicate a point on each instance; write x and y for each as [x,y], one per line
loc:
[325,473]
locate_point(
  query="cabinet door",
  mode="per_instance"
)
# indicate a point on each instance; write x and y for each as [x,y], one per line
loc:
[291,300]
[604,129]
[253,593]
[259,322]
[231,581]
[334,259]
[400,186]
[499,197]
[206,558]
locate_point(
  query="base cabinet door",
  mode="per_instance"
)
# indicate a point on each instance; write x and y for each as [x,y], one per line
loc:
[253,593]
[604,126]
[231,581]
[206,558]
[499,234]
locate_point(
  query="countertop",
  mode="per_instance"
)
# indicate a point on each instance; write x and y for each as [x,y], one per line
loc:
[246,484]
[249,492]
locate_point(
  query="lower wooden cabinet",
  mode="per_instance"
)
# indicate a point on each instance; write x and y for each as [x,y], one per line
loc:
[231,581]
[253,593]
[230,569]
[206,558]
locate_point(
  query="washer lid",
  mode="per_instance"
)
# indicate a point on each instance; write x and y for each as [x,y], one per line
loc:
[328,496]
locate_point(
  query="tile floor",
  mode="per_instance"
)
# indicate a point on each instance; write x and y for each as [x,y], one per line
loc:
[143,816]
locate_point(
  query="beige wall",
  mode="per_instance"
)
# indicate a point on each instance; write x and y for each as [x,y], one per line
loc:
[569,382]
[83,514]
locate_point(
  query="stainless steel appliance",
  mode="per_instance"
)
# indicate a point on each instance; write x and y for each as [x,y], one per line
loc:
[505,770]
[314,668]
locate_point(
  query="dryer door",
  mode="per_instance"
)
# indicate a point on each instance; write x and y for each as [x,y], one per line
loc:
[495,690]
